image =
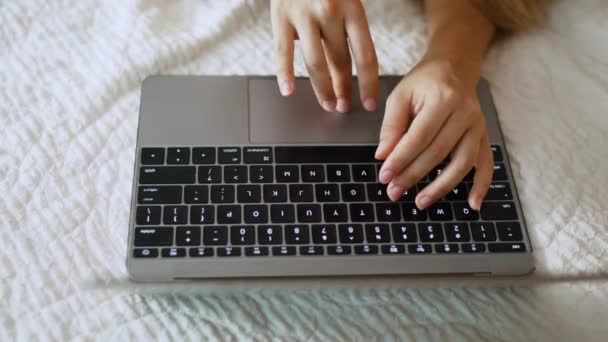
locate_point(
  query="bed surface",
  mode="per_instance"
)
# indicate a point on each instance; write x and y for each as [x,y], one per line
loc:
[70,76]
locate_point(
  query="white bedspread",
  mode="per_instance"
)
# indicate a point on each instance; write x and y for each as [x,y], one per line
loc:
[70,74]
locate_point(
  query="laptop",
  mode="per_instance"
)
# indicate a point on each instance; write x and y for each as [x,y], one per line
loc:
[233,180]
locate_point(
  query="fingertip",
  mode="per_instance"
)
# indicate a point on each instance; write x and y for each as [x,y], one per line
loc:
[286,87]
[423,202]
[329,105]
[370,104]
[342,105]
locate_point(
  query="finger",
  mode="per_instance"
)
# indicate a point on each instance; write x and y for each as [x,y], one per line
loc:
[397,116]
[451,132]
[463,159]
[316,63]
[364,54]
[338,56]
[484,169]
[422,131]
[284,35]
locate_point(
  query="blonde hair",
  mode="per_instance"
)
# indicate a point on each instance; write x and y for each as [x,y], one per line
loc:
[514,15]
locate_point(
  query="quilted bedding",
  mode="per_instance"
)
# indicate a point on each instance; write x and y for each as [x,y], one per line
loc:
[70,75]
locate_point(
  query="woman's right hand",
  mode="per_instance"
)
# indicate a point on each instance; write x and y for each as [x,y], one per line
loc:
[325,28]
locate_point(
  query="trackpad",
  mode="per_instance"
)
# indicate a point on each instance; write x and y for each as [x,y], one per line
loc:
[274,119]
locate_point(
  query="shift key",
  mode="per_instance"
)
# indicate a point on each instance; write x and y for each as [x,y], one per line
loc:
[167,175]
[159,195]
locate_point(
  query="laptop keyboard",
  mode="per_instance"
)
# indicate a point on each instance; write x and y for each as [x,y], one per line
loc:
[273,201]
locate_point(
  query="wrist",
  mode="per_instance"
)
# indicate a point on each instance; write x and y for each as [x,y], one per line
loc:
[460,66]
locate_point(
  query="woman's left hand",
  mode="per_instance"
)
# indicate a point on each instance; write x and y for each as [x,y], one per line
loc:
[432,112]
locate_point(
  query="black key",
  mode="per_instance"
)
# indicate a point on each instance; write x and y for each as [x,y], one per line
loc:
[270,235]
[437,170]
[283,251]
[393,249]
[201,252]
[430,232]
[222,194]
[175,215]
[301,193]
[261,174]
[366,249]
[459,193]
[473,247]
[323,233]
[282,213]
[229,214]
[297,234]
[167,175]
[202,214]
[311,250]
[313,173]
[287,173]
[196,194]
[469,176]
[203,155]
[364,173]
[309,213]
[153,236]
[145,252]
[463,212]
[147,215]
[248,194]
[242,235]
[498,211]
[255,213]
[500,173]
[388,212]
[412,213]
[350,233]
[173,252]
[215,235]
[178,155]
[256,251]
[327,192]
[353,193]
[497,153]
[275,193]
[188,236]
[235,174]
[229,155]
[229,251]
[335,212]
[159,195]
[457,232]
[152,156]
[209,174]
[483,231]
[509,231]
[506,247]
[339,250]
[377,233]
[338,173]
[257,155]
[376,192]
[363,212]
[324,154]
[404,232]
[440,211]
[409,195]
[446,248]
[420,248]
[499,191]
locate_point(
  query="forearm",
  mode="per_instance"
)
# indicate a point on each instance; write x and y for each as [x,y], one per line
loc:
[460,34]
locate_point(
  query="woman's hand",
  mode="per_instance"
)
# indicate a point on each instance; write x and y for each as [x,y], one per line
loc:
[323,26]
[432,112]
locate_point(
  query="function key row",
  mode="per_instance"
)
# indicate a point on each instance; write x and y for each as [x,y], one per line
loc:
[264,155]
[389,249]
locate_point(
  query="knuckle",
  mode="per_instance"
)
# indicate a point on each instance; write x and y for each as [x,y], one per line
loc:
[328,9]
[315,63]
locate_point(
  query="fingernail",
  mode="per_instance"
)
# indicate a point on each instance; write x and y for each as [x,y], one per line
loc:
[342,105]
[395,191]
[286,88]
[424,202]
[369,104]
[476,204]
[379,149]
[386,176]
[329,106]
